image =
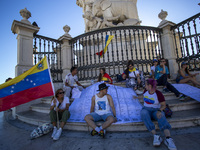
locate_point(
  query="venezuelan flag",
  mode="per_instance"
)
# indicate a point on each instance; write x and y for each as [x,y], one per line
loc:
[32,84]
[149,100]
[107,42]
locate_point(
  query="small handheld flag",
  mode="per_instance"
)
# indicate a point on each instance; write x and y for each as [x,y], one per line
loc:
[32,84]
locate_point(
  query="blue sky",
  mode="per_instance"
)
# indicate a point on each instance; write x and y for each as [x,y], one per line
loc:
[52,15]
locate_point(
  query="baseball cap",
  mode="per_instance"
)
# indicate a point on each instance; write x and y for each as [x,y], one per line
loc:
[155,60]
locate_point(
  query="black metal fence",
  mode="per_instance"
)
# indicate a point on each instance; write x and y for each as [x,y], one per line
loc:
[44,46]
[141,44]
[187,36]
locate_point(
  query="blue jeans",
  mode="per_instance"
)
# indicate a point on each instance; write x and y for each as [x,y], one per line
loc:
[98,117]
[148,113]
[163,81]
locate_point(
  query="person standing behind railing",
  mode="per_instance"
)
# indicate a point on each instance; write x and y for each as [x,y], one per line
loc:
[184,76]
[132,76]
[161,74]
[103,76]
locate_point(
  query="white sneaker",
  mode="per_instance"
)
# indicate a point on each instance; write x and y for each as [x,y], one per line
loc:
[138,92]
[170,144]
[157,140]
[57,135]
[54,132]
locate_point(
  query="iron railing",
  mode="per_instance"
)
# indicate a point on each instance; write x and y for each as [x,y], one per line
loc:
[44,46]
[187,36]
[138,43]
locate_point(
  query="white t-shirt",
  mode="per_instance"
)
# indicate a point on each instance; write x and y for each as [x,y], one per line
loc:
[152,68]
[134,74]
[153,100]
[71,79]
[63,104]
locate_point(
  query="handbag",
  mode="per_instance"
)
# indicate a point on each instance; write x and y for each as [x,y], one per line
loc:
[41,130]
[168,112]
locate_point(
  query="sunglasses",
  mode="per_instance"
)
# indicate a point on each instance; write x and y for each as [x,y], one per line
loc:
[130,66]
[61,92]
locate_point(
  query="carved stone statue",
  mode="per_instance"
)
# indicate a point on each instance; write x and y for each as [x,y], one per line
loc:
[92,22]
[111,12]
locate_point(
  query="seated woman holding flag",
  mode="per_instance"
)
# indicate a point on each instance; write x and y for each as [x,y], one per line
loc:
[59,110]
[103,76]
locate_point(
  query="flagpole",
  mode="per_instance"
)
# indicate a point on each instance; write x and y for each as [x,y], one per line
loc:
[50,77]
[57,118]
[58,126]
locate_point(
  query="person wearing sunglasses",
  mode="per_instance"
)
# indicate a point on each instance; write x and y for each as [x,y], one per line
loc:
[161,75]
[132,76]
[59,108]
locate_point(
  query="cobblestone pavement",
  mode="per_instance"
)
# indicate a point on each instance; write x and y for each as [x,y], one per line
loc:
[15,135]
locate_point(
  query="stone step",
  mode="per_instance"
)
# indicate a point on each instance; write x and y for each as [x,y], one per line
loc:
[168,96]
[180,119]
[175,105]
[47,100]
[40,107]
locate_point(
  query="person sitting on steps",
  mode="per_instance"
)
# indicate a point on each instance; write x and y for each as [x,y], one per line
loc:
[70,80]
[153,67]
[184,76]
[132,76]
[100,110]
[103,76]
[154,104]
[161,75]
[60,105]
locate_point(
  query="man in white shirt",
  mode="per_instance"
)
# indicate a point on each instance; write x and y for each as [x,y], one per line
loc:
[70,80]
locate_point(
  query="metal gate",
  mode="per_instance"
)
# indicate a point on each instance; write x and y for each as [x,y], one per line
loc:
[187,36]
[44,46]
[141,44]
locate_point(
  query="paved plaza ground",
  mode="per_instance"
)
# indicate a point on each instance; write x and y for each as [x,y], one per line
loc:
[15,135]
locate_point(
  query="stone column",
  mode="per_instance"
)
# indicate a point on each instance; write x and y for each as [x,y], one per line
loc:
[66,55]
[24,31]
[168,43]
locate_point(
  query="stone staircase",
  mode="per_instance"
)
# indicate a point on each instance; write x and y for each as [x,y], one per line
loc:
[185,114]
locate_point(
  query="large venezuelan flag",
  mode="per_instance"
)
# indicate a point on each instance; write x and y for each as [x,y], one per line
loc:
[34,83]
[107,42]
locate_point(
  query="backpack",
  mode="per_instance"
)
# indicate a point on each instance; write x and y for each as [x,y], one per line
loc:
[41,130]
[168,112]
[119,78]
